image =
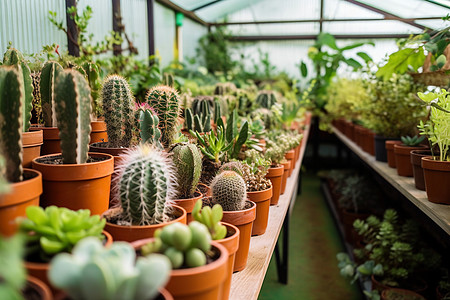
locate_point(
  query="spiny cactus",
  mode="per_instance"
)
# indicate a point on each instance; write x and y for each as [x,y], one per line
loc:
[266,99]
[199,123]
[47,89]
[4,186]
[92,74]
[168,80]
[229,190]
[224,88]
[73,108]
[11,99]
[187,160]
[145,185]
[148,127]
[36,103]
[118,104]
[199,108]
[217,111]
[164,100]
[14,58]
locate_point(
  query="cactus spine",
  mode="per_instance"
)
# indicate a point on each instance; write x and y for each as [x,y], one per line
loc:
[187,160]
[73,108]
[229,190]
[47,88]
[148,128]
[14,58]
[11,99]
[118,106]
[36,79]
[164,100]
[146,183]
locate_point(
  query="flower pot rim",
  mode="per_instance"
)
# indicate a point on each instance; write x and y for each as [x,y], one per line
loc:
[435,164]
[245,216]
[275,171]
[402,291]
[197,195]
[262,195]
[32,138]
[95,145]
[231,237]
[24,188]
[37,283]
[49,133]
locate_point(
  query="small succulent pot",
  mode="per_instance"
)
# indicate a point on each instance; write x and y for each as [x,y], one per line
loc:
[437,177]
[389,145]
[403,159]
[76,186]
[297,151]
[136,232]
[416,161]
[262,200]
[98,133]
[31,143]
[290,156]
[287,167]
[380,148]
[395,293]
[243,220]
[51,140]
[37,288]
[188,204]
[14,204]
[370,142]
[275,175]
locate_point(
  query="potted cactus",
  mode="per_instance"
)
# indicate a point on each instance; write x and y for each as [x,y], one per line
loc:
[199,265]
[75,178]
[276,171]
[144,190]
[25,184]
[96,272]
[187,162]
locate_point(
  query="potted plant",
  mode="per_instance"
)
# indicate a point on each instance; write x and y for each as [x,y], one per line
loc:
[199,265]
[400,294]
[25,184]
[93,271]
[75,178]
[437,168]
[145,189]
[390,155]
[402,154]
[275,173]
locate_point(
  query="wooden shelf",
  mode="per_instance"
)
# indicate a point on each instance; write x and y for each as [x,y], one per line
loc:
[247,283]
[438,213]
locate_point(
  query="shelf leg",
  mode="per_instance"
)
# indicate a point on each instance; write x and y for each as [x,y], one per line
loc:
[283,260]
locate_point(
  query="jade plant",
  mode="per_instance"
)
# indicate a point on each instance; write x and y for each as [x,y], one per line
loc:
[412,141]
[187,162]
[95,272]
[211,218]
[229,190]
[148,127]
[118,103]
[165,101]
[186,246]
[47,85]
[12,273]
[58,229]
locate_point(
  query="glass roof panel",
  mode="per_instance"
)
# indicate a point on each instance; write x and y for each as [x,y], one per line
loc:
[409,8]
[337,9]
[369,27]
[275,29]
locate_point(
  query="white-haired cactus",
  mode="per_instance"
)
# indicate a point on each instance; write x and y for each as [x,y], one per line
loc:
[146,183]
[229,190]
[14,58]
[73,108]
[165,101]
[187,160]
[49,73]
[118,109]
[11,99]
[148,127]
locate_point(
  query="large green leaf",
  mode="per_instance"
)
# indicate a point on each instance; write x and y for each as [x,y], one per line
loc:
[303,69]
[356,45]
[327,40]
[399,61]
[353,63]
[364,56]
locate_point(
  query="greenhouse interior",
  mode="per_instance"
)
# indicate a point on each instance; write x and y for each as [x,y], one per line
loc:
[225,149]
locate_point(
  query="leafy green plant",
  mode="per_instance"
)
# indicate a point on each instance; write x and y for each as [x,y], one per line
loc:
[95,272]
[213,144]
[12,273]
[58,229]
[412,141]
[350,270]
[211,218]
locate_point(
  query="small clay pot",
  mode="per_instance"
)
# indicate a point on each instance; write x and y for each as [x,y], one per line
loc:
[416,161]
[389,145]
[290,155]
[287,167]
[275,175]
[98,132]
[380,148]
[403,159]
[188,204]
[31,144]
[262,200]
[39,287]
[437,178]
[51,140]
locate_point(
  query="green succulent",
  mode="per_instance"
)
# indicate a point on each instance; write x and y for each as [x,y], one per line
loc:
[412,141]
[211,218]
[12,273]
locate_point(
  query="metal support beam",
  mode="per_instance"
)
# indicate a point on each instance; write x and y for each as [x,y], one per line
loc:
[117,21]
[314,36]
[151,28]
[205,5]
[187,13]
[438,3]
[72,32]
[321,17]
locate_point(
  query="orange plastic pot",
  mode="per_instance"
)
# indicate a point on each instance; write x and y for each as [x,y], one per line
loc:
[188,204]
[51,140]
[287,167]
[134,233]
[15,203]
[243,220]
[77,186]
[275,175]
[437,178]
[262,200]
[403,159]
[98,132]
[390,152]
[39,288]
[200,283]
[31,144]
[290,156]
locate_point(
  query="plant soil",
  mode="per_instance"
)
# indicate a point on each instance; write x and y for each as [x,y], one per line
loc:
[58,160]
[115,216]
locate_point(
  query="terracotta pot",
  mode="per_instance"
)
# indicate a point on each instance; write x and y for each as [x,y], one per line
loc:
[188,204]
[403,159]
[348,218]
[290,155]
[275,175]
[358,131]
[262,200]
[297,152]
[416,161]
[243,220]
[404,294]
[370,142]
[287,167]
[437,178]
[200,283]
[40,269]
[390,152]
[231,243]
[134,233]
[51,140]
[98,132]
[39,287]
[82,186]
[31,144]
[14,204]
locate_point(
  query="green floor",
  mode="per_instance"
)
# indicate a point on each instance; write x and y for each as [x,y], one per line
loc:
[314,242]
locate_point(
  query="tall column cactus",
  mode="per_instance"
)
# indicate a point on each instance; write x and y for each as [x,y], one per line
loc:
[73,108]
[14,58]
[164,100]
[187,160]
[49,73]
[266,99]
[145,185]
[118,109]
[11,101]
[148,127]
